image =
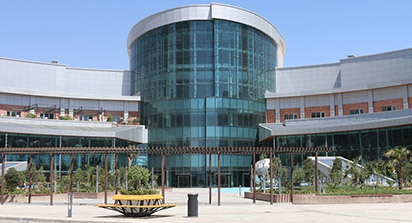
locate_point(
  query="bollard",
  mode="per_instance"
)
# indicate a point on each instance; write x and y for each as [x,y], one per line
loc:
[192,205]
[240,190]
[70,204]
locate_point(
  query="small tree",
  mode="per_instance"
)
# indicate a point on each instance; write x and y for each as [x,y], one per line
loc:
[299,175]
[336,172]
[381,170]
[80,176]
[109,117]
[138,178]
[13,179]
[407,174]
[279,171]
[38,176]
[367,171]
[353,171]
[398,156]
[309,170]
[131,156]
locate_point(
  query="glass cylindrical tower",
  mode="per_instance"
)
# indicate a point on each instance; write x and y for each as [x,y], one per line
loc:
[202,72]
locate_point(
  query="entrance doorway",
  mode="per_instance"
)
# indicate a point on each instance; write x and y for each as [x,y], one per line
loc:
[183,180]
[246,180]
[225,180]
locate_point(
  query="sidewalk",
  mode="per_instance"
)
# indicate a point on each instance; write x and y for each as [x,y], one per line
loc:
[233,209]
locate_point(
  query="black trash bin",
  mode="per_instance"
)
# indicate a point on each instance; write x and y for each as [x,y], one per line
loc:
[192,205]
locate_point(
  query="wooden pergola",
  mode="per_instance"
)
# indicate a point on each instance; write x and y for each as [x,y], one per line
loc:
[163,151]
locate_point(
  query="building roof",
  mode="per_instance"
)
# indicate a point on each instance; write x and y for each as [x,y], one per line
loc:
[206,12]
[133,133]
[336,124]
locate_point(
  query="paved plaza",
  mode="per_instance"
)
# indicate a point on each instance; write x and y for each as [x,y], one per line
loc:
[233,209]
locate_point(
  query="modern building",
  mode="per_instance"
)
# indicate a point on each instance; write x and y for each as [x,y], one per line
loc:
[209,76]
[202,72]
[359,106]
[47,92]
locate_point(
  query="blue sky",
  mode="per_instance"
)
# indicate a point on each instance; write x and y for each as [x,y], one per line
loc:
[93,33]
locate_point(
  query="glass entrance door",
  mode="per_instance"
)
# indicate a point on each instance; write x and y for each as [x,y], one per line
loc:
[183,180]
[225,180]
[246,180]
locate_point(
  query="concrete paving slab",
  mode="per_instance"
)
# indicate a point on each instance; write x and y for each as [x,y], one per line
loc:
[233,209]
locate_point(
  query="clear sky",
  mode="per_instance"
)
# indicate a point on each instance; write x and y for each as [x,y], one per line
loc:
[93,33]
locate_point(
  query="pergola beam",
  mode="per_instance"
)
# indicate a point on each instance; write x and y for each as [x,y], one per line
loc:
[160,150]
[157,151]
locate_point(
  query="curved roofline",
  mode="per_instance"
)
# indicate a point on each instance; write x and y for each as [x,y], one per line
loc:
[62,65]
[205,12]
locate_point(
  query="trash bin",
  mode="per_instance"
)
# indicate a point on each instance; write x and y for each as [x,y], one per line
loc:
[192,205]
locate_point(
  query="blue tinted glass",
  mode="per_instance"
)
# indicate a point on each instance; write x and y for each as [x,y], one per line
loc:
[176,66]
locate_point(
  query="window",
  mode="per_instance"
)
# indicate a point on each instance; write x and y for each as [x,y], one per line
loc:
[85,118]
[356,111]
[13,113]
[389,108]
[46,116]
[318,114]
[116,118]
[290,116]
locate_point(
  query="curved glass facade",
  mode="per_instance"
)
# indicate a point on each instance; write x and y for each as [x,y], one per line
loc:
[202,83]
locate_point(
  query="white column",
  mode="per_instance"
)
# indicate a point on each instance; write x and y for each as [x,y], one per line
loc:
[405,96]
[370,101]
[332,105]
[277,110]
[302,107]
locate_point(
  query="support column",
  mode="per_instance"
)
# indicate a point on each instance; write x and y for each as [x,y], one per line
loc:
[3,162]
[302,107]
[316,173]
[116,172]
[71,172]
[271,177]
[370,101]
[105,177]
[405,96]
[291,177]
[277,110]
[51,177]
[210,178]
[218,178]
[163,177]
[332,105]
[30,176]
[254,177]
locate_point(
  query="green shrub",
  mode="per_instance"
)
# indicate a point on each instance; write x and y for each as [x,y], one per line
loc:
[109,117]
[138,178]
[66,117]
[336,173]
[137,192]
[135,120]
[354,190]
[13,179]
[30,115]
